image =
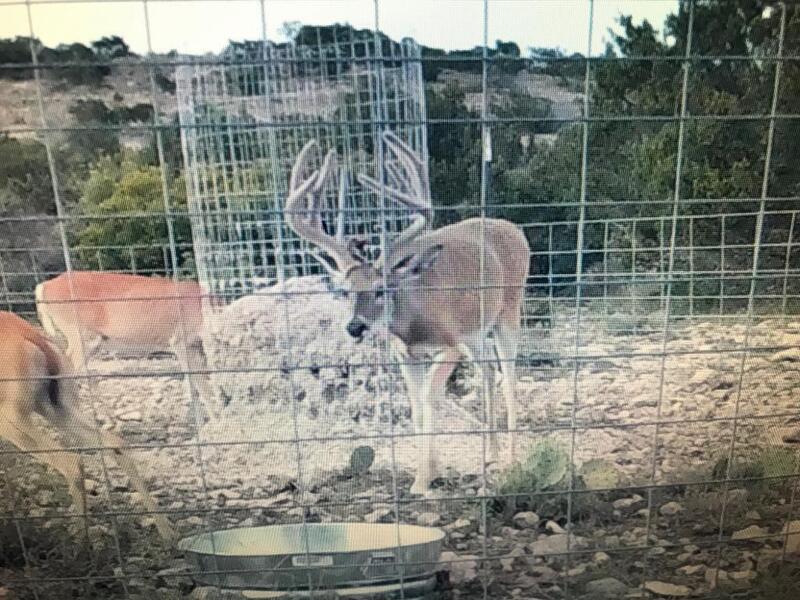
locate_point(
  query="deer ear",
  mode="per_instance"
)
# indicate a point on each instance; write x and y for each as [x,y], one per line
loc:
[358,250]
[415,265]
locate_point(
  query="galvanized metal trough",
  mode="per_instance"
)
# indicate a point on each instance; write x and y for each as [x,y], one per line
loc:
[352,559]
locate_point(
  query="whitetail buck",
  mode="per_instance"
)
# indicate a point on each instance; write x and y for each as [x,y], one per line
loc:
[445,290]
[92,311]
[35,379]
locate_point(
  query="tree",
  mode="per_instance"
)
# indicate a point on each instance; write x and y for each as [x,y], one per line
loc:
[290,29]
[454,150]
[24,173]
[508,49]
[16,51]
[91,111]
[94,137]
[635,160]
[125,200]
[170,143]
[723,158]
[555,62]
[71,56]
[111,47]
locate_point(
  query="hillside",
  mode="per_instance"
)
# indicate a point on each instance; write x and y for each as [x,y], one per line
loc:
[565,103]
[126,86]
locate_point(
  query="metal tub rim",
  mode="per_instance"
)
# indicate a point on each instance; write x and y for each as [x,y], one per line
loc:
[311,556]
[218,548]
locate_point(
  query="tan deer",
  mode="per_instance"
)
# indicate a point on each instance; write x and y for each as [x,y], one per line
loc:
[35,379]
[444,290]
[93,311]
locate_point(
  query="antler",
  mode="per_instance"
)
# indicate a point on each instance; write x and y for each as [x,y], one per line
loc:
[408,186]
[303,206]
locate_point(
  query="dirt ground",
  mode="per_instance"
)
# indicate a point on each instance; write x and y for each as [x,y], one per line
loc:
[662,421]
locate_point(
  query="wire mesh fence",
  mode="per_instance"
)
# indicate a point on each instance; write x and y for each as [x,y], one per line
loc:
[237,154]
[653,382]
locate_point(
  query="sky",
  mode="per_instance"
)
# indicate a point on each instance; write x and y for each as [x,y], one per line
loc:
[200,26]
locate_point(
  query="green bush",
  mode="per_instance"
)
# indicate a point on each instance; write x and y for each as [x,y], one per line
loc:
[73,72]
[25,175]
[126,204]
[16,51]
[535,483]
[760,467]
[546,467]
[111,47]
[95,112]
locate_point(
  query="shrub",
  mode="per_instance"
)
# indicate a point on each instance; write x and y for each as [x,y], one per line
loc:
[119,187]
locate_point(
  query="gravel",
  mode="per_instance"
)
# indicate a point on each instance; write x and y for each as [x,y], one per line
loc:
[608,587]
[340,397]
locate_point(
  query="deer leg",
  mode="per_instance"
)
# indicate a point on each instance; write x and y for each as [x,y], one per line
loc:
[75,352]
[127,464]
[79,431]
[474,355]
[507,346]
[491,406]
[50,452]
[188,360]
[414,377]
[198,362]
[432,390]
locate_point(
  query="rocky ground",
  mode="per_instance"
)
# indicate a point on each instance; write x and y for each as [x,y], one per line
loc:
[663,421]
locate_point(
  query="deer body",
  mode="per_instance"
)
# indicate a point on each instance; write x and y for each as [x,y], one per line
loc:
[450,306]
[35,379]
[94,311]
[445,291]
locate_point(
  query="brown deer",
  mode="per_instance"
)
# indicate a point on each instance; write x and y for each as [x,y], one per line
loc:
[445,290]
[92,311]
[35,379]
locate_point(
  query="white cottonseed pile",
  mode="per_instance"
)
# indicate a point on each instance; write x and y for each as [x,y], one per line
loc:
[289,342]
[295,373]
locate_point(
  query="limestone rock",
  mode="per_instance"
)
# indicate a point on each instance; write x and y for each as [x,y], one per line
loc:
[463,568]
[554,527]
[670,509]
[526,519]
[601,558]
[715,576]
[792,532]
[788,355]
[377,515]
[213,593]
[691,569]
[754,531]
[556,544]
[608,587]
[627,502]
[429,519]
[663,588]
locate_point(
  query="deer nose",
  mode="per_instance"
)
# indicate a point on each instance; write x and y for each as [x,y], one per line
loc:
[356,328]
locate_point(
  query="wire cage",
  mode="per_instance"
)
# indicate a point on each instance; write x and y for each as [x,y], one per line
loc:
[243,123]
[658,189]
